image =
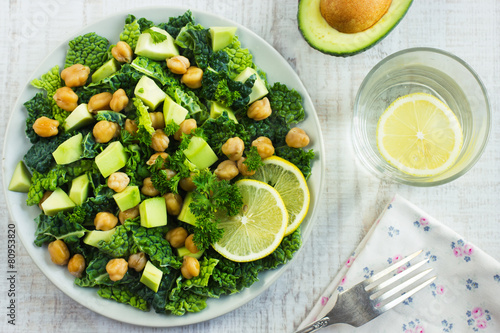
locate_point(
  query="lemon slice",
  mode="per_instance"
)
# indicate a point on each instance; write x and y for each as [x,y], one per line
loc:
[419,135]
[289,181]
[259,227]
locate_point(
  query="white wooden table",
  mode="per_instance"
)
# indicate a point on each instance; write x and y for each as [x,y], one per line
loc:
[29,30]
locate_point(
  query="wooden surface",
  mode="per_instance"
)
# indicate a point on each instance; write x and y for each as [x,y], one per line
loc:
[29,30]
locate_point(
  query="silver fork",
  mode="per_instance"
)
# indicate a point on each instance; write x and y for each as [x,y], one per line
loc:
[374,296]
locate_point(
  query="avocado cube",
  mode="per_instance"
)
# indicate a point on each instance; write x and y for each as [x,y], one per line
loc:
[221,37]
[128,198]
[186,215]
[184,252]
[105,70]
[217,109]
[111,159]
[199,153]
[147,90]
[79,189]
[78,118]
[21,179]
[259,89]
[93,237]
[151,276]
[153,212]
[58,201]
[157,51]
[70,150]
[173,111]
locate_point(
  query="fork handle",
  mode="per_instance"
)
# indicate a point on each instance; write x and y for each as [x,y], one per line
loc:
[315,325]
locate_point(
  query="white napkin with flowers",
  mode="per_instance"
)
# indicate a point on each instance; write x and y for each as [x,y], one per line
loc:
[465,297]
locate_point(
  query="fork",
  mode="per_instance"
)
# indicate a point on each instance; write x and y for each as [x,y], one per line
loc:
[374,296]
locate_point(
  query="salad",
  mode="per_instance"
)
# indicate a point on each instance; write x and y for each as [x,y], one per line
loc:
[137,149]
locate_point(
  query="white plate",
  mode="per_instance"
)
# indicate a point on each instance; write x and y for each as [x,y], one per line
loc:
[16,145]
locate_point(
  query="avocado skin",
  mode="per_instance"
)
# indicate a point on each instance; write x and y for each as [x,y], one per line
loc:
[346,54]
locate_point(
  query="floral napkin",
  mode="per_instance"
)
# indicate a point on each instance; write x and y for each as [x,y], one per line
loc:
[465,296]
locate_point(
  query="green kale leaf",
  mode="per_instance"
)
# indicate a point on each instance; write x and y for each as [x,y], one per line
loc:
[38,106]
[131,31]
[122,294]
[50,82]
[89,50]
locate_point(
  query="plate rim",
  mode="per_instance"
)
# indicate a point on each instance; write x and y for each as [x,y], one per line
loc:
[255,290]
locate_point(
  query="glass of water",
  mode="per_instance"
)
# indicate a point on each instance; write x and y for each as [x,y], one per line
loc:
[421,70]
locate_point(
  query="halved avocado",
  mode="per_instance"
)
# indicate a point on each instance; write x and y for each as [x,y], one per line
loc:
[321,36]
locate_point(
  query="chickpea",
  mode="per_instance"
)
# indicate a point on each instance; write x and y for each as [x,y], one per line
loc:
[178,64]
[45,196]
[190,245]
[118,101]
[187,183]
[233,148]
[297,138]
[59,253]
[243,168]
[176,237]
[66,98]
[148,188]
[226,170]
[76,75]
[100,102]
[192,78]
[76,265]
[105,221]
[170,173]
[137,261]
[264,146]
[186,127]
[260,109]
[104,131]
[117,268]
[159,140]
[174,203]
[190,267]
[130,213]
[157,120]
[152,159]
[46,127]
[130,126]
[118,181]
[122,52]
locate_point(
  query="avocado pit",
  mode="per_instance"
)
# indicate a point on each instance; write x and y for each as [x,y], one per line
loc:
[352,16]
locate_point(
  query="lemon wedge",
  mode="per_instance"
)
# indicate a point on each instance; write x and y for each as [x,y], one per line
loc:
[259,227]
[290,183]
[419,135]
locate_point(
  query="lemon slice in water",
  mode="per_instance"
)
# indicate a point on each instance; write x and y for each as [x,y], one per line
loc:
[259,227]
[419,135]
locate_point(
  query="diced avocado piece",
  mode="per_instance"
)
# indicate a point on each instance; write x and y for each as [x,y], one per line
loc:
[128,198]
[186,215]
[21,178]
[173,111]
[153,212]
[108,68]
[199,153]
[184,252]
[151,276]
[79,189]
[221,37]
[259,89]
[147,90]
[93,237]
[58,201]
[78,118]
[321,36]
[70,150]
[216,110]
[111,159]
[160,51]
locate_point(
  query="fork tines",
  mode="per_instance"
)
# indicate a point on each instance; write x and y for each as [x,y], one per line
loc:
[387,290]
